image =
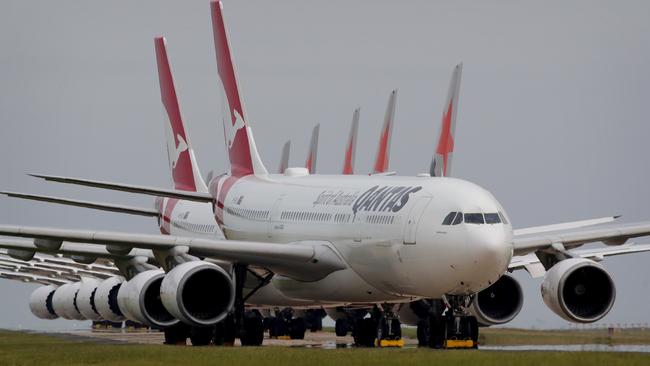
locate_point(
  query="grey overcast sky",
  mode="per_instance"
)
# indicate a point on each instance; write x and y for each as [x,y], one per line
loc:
[553,109]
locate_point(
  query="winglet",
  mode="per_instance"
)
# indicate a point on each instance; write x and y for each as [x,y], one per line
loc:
[310,163]
[182,162]
[351,147]
[383,149]
[284,160]
[441,162]
[244,158]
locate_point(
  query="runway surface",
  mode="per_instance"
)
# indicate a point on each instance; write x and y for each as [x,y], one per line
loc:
[323,340]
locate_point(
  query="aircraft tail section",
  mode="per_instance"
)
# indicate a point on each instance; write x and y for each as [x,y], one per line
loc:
[182,162]
[351,147]
[284,160]
[383,149]
[243,155]
[441,163]
[312,156]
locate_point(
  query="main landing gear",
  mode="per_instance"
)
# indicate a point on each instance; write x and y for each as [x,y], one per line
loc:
[381,329]
[452,328]
[285,324]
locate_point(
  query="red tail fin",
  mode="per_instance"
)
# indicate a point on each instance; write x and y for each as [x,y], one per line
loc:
[312,156]
[244,159]
[351,148]
[441,163]
[383,150]
[185,171]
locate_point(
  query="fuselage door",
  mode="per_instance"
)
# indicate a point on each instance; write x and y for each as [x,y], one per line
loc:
[413,219]
[275,223]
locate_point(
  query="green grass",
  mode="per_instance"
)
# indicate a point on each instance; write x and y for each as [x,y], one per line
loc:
[18,348]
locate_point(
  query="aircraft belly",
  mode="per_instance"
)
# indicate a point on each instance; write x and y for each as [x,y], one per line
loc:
[341,286]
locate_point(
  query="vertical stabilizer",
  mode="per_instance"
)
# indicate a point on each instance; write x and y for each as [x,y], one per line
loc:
[351,147]
[312,156]
[441,163]
[182,162]
[242,152]
[284,160]
[383,149]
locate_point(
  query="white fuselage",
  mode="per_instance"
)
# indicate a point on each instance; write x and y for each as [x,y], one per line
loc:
[388,229]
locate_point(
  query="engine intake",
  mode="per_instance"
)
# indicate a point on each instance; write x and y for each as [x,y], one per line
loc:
[40,302]
[86,298]
[579,290]
[64,301]
[106,299]
[499,303]
[198,293]
[139,300]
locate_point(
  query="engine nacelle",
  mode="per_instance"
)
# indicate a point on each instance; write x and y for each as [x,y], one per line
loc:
[198,293]
[499,303]
[40,302]
[139,300]
[86,298]
[579,290]
[106,299]
[64,301]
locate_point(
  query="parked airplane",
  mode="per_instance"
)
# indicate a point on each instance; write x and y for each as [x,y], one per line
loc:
[377,242]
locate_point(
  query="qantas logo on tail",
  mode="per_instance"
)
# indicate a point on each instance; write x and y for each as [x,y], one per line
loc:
[178,150]
[231,129]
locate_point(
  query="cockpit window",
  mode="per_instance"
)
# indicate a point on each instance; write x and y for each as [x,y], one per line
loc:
[492,218]
[458,219]
[503,218]
[449,218]
[474,218]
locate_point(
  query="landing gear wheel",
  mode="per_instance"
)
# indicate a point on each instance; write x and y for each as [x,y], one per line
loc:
[437,331]
[424,333]
[176,334]
[297,328]
[365,332]
[253,334]
[342,327]
[201,336]
[224,332]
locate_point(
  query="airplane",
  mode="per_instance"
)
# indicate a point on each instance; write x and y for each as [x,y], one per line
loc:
[375,241]
[284,158]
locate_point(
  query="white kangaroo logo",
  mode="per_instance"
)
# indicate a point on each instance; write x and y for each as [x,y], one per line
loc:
[231,130]
[178,149]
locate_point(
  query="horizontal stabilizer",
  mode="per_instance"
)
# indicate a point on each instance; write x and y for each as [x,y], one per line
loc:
[152,191]
[87,204]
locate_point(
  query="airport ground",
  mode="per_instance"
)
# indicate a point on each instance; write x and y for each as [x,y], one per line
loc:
[22,348]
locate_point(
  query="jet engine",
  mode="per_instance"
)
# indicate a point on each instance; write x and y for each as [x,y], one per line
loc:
[106,299]
[579,290]
[64,301]
[86,298]
[40,302]
[499,303]
[198,293]
[139,300]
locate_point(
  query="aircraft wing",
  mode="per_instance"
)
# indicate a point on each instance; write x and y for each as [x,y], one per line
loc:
[565,226]
[560,240]
[152,191]
[149,212]
[531,263]
[305,260]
